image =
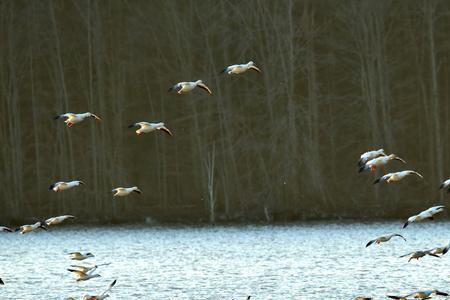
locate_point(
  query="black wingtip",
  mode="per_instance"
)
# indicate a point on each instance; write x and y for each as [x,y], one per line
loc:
[406,224]
[51,186]
[131,126]
[56,118]
[377,181]
[1,282]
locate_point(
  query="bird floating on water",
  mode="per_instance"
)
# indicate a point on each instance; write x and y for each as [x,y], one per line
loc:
[121,191]
[5,229]
[145,127]
[445,185]
[187,86]
[365,157]
[80,256]
[58,220]
[418,254]
[103,295]
[425,215]
[383,238]
[397,176]
[71,118]
[29,228]
[374,163]
[420,295]
[238,69]
[62,186]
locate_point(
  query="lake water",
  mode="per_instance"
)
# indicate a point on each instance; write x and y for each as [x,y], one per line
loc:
[305,261]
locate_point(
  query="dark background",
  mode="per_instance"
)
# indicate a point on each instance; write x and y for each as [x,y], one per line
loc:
[339,78]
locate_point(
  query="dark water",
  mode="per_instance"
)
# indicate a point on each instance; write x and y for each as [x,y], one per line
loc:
[316,261]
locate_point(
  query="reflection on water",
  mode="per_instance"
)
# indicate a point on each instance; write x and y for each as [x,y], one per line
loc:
[307,261]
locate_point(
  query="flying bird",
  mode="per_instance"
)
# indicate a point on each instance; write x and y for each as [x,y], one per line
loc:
[70,118]
[82,276]
[185,87]
[5,229]
[86,269]
[58,220]
[80,256]
[29,228]
[420,295]
[145,127]
[62,186]
[418,254]
[238,69]
[425,215]
[440,250]
[365,157]
[445,185]
[397,176]
[103,295]
[383,238]
[363,298]
[120,191]
[374,163]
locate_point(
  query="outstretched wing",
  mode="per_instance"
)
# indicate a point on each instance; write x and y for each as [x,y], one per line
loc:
[255,69]
[204,87]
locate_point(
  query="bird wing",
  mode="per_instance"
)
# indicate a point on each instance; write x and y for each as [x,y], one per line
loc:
[96,117]
[109,288]
[203,86]
[399,235]
[416,173]
[370,243]
[405,255]
[7,229]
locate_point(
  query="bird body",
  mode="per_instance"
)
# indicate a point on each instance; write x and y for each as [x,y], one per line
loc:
[187,86]
[397,176]
[58,220]
[146,127]
[71,118]
[82,276]
[241,68]
[80,256]
[121,191]
[425,215]
[62,186]
[377,162]
[383,238]
[29,228]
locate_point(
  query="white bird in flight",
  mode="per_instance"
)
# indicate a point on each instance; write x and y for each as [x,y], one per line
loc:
[80,256]
[82,276]
[238,69]
[445,185]
[121,191]
[425,215]
[58,220]
[29,228]
[187,86]
[103,295]
[374,163]
[146,127]
[383,238]
[365,157]
[420,295]
[62,186]
[71,118]
[397,176]
[86,269]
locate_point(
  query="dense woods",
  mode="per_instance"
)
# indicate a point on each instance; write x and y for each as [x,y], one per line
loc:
[338,78]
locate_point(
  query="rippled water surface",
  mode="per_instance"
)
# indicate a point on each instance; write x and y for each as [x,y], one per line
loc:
[309,261]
